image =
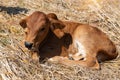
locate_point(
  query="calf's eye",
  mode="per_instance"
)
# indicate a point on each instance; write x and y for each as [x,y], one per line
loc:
[26,33]
[42,29]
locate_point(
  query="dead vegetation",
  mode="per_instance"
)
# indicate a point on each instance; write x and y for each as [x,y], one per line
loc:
[16,64]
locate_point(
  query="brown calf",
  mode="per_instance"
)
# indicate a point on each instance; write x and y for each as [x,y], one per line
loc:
[62,40]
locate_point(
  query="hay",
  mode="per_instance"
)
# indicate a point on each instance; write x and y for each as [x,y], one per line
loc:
[15,62]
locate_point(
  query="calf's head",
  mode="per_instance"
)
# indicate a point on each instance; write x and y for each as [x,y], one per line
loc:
[36,28]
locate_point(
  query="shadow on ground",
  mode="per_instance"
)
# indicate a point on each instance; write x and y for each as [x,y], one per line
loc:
[13,10]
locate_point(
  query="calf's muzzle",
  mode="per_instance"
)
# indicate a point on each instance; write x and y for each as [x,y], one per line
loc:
[28,45]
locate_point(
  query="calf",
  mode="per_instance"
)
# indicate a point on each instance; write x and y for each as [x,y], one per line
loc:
[61,41]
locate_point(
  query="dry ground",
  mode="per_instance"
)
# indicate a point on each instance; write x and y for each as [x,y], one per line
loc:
[15,63]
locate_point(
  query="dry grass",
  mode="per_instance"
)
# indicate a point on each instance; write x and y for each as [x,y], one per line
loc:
[15,63]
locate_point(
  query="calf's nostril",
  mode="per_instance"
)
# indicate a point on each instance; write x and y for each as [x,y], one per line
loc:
[28,45]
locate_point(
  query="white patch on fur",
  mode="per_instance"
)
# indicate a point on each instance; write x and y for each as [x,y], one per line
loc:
[81,49]
[51,59]
[70,55]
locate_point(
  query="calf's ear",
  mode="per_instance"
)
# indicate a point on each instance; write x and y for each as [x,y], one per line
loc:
[52,16]
[57,25]
[23,23]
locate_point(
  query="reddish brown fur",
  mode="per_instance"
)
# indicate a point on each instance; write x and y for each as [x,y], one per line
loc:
[55,41]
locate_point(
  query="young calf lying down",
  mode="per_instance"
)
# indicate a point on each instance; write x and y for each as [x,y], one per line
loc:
[66,42]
